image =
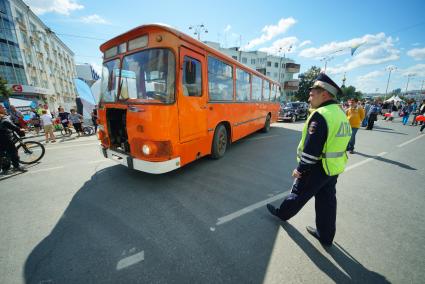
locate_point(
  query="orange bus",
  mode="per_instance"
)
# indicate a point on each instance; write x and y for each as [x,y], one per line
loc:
[168,99]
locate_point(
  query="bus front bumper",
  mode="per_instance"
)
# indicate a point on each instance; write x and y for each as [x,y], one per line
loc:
[140,165]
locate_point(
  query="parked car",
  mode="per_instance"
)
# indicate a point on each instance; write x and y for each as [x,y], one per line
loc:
[293,111]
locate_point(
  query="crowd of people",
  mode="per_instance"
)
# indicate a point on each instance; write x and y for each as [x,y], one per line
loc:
[42,119]
[365,113]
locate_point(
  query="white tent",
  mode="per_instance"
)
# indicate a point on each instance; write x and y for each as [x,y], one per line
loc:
[394,99]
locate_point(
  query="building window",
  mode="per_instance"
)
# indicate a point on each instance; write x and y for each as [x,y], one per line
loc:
[235,57]
[275,75]
[268,74]
[269,63]
[266,90]
[276,64]
[253,61]
[244,60]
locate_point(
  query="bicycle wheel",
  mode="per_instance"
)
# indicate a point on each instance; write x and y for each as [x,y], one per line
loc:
[66,132]
[30,152]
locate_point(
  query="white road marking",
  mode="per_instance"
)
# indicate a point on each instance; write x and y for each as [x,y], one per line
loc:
[99,161]
[243,211]
[364,162]
[71,146]
[45,170]
[410,141]
[131,260]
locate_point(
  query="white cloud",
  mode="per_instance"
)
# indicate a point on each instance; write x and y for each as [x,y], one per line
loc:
[370,76]
[418,70]
[288,45]
[227,28]
[416,44]
[417,53]
[63,7]
[94,19]
[374,49]
[269,32]
[306,42]
[343,47]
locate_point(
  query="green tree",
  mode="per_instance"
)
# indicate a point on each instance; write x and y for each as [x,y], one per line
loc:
[349,93]
[306,81]
[4,91]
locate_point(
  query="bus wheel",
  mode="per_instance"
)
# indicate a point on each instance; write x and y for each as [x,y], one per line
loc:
[220,142]
[266,127]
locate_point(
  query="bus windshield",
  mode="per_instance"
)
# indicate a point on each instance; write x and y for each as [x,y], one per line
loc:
[148,76]
[109,85]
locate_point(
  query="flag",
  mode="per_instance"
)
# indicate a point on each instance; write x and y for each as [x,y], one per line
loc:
[354,48]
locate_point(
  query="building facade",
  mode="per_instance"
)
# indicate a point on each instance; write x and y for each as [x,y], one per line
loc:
[48,63]
[280,69]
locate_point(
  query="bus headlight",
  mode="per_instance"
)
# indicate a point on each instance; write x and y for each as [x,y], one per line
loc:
[146,150]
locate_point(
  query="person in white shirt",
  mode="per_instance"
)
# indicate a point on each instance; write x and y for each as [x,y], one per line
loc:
[46,120]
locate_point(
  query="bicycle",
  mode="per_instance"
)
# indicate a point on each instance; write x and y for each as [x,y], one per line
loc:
[29,152]
[88,130]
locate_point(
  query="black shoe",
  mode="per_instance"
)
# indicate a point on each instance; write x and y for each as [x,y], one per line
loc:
[20,169]
[312,231]
[274,211]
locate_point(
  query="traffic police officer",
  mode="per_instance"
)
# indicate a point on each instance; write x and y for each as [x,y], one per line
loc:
[321,158]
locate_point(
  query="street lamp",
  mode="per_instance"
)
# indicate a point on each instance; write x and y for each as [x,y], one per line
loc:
[326,59]
[390,69]
[408,79]
[284,50]
[198,29]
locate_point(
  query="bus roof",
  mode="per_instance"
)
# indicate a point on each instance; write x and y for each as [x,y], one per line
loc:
[140,30]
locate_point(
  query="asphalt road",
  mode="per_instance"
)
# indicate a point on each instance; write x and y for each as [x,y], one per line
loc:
[79,218]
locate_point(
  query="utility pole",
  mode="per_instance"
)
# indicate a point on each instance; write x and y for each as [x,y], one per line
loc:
[408,79]
[390,69]
[198,29]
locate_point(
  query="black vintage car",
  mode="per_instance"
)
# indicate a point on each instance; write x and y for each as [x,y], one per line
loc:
[293,111]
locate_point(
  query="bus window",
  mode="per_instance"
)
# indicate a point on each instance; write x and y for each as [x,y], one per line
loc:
[243,85]
[266,91]
[109,85]
[220,80]
[149,75]
[256,88]
[192,82]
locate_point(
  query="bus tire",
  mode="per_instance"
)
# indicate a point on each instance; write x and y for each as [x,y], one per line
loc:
[266,127]
[220,142]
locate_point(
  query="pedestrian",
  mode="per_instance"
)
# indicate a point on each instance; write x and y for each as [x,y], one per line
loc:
[321,158]
[355,115]
[35,121]
[47,122]
[421,111]
[367,107]
[17,117]
[76,118]
[406,111]
[94,119]
[64,119]
[373,115]
[7,144]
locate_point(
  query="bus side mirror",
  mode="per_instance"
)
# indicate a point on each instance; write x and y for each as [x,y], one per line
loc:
[190,72]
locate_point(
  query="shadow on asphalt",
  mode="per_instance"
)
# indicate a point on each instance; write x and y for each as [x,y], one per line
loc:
[385,160]
[353,271]
[387,130]
[124,226]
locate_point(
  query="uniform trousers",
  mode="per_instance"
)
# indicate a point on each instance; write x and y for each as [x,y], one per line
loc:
[323,187]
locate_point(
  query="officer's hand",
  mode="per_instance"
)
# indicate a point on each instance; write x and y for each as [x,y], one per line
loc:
[296,174]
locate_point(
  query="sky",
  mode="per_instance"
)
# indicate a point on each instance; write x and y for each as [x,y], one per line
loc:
[389,34]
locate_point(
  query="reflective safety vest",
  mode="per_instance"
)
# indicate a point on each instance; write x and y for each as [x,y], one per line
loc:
[334,156]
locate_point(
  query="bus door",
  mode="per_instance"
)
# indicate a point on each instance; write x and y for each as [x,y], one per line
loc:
[192,100]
